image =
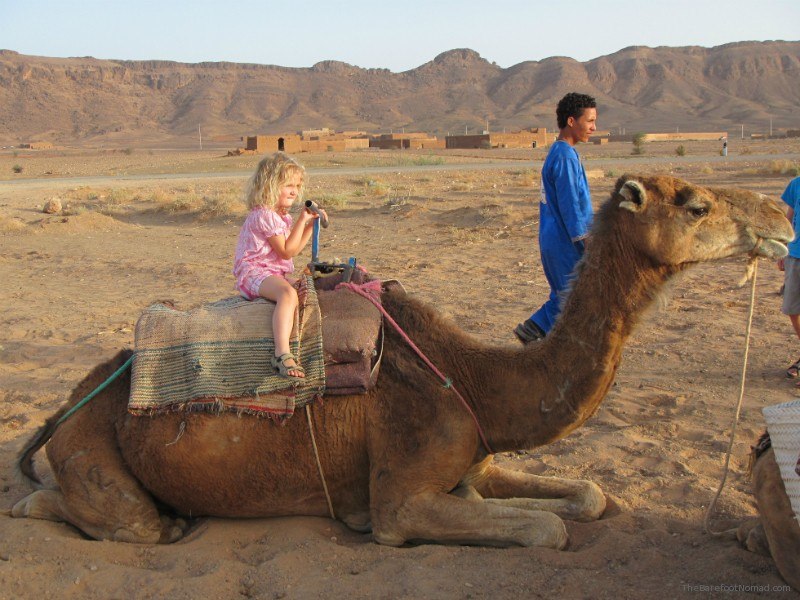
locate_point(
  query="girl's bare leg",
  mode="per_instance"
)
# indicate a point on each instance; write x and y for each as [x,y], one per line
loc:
[280,291]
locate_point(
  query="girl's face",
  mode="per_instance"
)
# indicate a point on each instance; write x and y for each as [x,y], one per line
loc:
[288,192]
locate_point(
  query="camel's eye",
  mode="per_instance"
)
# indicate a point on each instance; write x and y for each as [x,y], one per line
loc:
[699,211]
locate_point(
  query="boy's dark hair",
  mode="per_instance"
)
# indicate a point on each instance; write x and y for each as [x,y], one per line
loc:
[572,105]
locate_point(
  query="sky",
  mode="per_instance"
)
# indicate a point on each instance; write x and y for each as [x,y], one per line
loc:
[391,34]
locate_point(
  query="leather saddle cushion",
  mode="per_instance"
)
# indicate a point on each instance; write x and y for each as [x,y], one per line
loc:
[351,338]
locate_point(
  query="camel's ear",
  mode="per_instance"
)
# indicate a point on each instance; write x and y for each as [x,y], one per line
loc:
[633,195]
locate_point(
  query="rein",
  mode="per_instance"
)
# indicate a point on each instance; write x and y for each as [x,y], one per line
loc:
[96,391]
[707,519]
[361,291]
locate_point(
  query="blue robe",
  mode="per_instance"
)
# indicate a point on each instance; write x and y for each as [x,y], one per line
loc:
[565,217]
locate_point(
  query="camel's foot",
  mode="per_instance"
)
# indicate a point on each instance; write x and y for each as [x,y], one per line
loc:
[52,506]
[571,499]
[449,519]
[359,522]
[752,536]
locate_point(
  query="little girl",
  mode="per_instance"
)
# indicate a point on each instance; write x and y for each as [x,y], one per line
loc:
[267,242]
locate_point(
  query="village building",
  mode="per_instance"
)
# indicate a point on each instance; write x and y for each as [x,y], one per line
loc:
[37,145]
[687,136]
[535,137]
[326,140]
[263,144]
[400,141]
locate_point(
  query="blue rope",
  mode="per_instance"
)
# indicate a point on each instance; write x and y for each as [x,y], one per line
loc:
[97,390]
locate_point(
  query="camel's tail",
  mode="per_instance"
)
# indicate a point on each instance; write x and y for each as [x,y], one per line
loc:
[25,467]
[45,432]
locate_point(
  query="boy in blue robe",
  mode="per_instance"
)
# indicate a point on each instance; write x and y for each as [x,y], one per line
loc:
[565,210]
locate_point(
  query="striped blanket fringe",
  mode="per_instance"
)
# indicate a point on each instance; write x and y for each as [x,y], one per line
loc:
[216,358]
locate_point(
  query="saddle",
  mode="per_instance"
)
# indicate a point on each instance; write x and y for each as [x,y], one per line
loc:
[217,357]
[352,336]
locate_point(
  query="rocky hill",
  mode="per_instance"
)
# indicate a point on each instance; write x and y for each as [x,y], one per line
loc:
[71,100]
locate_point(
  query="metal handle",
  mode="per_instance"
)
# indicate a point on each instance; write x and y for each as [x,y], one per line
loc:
[313,207]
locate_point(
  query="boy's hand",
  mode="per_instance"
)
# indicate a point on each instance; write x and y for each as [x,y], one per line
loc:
[782,264]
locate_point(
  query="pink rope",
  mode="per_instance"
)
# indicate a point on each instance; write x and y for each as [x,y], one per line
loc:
[369,291]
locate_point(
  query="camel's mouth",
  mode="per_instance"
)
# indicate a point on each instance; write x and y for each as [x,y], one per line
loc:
[769,248]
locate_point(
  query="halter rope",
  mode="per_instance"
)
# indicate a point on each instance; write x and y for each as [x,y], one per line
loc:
[448,383]
[707,519]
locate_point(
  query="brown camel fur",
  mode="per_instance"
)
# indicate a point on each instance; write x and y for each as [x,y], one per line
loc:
[405,461]
[776,532]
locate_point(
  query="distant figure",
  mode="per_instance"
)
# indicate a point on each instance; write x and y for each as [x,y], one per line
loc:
[725,148]
[267,242]
[790,266]
[565,210]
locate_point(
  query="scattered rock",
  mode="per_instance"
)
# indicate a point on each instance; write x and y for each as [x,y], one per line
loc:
[52,206]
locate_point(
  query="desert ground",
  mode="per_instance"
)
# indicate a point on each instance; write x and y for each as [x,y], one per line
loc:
[138,226]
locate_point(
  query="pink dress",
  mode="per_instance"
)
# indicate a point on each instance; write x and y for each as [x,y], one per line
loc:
[255,259]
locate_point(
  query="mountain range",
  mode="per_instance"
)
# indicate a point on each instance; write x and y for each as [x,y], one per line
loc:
[749,85]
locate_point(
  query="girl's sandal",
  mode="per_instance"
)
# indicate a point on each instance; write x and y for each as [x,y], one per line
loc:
[279,364]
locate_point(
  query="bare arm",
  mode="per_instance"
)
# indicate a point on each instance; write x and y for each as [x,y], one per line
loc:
[790,216]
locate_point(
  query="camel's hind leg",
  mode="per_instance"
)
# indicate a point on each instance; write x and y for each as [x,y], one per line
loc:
[53,506]
[98,494]
[572,499]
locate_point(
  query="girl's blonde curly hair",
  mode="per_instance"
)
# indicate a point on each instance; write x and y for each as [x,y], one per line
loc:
[272,172]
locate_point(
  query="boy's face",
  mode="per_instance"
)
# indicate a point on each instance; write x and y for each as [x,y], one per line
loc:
[584,126]
[289,191]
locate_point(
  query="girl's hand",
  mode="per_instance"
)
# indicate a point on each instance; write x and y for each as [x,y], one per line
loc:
[322,215]
[781,264]
[317,213]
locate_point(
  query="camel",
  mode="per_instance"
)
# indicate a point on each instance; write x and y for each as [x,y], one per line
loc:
[775,532]
[406,461]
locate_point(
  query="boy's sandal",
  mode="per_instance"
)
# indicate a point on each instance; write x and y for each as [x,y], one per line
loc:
[793,372]
[279,364]
[528,332]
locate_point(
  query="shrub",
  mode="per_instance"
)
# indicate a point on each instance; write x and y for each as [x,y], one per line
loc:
[638,142]
[332,201]
[17,168]
[783,167]
[680,150]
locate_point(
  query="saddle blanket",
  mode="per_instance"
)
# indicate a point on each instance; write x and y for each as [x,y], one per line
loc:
[217,358]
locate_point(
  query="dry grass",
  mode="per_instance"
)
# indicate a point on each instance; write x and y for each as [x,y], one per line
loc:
[783,167]
[332,201]
[368,187]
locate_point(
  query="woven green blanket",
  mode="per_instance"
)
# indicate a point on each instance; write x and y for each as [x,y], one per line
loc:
[217,358]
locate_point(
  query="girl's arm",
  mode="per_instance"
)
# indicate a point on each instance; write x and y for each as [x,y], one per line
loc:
[291,245]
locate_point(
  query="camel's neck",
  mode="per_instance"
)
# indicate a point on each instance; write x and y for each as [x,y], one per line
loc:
[563,379]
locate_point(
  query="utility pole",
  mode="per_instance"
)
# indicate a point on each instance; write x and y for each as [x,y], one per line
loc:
[742,130]
[200,136]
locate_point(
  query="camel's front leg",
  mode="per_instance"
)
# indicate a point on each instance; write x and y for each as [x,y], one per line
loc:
[572,499]
[448,519]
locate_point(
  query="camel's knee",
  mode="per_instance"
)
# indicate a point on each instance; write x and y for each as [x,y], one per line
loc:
[467,492]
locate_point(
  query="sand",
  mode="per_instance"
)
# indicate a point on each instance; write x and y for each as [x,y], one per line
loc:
[463,238]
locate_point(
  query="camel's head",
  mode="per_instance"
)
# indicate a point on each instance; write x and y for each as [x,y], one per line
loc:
[676,222]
